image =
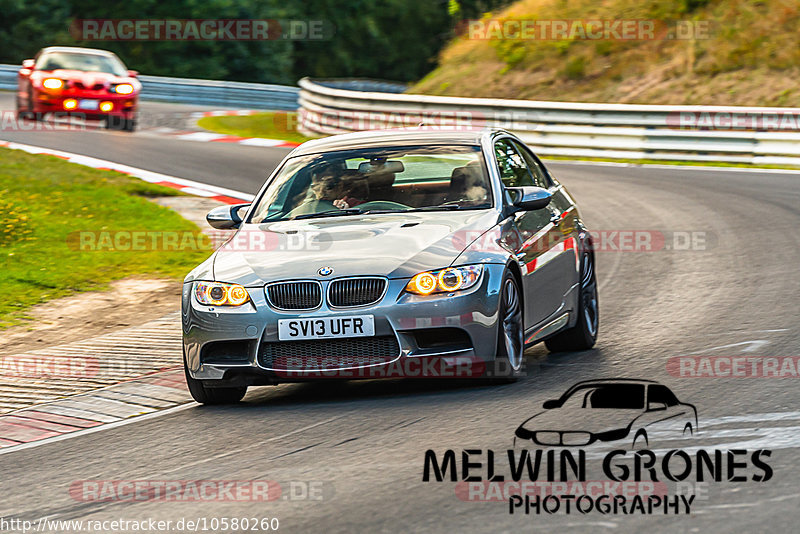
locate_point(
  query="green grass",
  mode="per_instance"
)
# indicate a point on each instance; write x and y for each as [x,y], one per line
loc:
[270,125]
[46,201]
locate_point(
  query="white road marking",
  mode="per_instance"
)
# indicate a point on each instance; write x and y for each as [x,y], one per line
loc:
[200,136]
[750,504]
[719,433]
[770,331]
[253,445]
[750,346]
[143,174]
[255,141]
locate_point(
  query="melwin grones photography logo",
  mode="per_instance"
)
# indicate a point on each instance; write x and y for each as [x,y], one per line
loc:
[603,446]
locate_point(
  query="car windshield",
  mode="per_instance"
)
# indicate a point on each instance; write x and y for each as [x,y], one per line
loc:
[376,180]
[83,62]
[615,396]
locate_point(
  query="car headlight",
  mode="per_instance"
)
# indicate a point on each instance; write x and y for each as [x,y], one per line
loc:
[220,294]
[445,281]
[124,89]
[53,83]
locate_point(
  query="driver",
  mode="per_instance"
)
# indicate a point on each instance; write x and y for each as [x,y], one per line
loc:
[327,185]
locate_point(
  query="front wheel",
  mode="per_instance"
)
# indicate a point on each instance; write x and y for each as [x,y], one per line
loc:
[28,113]
[212,396]
[583,335]
[22,114]
[510,342]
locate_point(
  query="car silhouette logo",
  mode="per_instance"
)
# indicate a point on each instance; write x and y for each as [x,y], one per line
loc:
[616,409]
[325,271]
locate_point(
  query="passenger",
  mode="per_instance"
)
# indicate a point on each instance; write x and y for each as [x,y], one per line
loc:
[355,190]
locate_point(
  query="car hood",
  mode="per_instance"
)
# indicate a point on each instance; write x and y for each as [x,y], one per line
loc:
[87,78]
[580,420]
[393,245]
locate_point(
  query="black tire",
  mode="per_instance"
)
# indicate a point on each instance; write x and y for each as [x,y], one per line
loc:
[583,335]
[129,125]
[21,114]
[212,396]
[28,114]
[510,336]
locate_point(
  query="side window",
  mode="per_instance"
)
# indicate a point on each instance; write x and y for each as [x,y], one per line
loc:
[662,394]
[513,170]
[540,177]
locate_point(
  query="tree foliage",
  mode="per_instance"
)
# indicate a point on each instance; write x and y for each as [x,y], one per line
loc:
[388,39]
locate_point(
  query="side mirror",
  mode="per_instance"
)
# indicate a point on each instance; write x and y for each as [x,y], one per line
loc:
[549,405]
[28,63]
[226,217]
[529,198]
[133,73]
[656,406]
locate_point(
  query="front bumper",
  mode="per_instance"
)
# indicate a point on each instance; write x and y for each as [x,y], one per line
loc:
[124,106]
[225,345]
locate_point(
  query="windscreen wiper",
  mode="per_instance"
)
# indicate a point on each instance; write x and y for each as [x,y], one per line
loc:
[437,208]
[351,211]
[329,213]
[386,210]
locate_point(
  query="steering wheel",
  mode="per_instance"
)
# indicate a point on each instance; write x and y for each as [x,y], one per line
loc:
[312,206]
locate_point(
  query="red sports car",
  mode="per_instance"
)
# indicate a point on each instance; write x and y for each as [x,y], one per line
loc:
[85,82]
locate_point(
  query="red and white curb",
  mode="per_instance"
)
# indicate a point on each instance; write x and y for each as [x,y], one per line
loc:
[221,138]
[136,400]
[212,137]
[61,413]
[189,187]
[229,112]
[119,376]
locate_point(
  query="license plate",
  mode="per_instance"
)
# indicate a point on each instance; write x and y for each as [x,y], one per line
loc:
[88,104]
[326,327]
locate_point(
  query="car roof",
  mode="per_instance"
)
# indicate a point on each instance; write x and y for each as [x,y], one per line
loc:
[615,381]
[78,49]
[394,137]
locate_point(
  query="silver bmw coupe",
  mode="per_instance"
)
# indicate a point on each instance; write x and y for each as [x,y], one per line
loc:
[396,253]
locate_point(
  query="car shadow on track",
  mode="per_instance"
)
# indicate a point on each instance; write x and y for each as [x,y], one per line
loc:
[538,364]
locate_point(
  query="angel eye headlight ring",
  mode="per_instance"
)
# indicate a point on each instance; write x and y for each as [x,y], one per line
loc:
[220,294]
[446,280]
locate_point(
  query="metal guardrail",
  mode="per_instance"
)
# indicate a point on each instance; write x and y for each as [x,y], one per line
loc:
[191,91]
[624,131]
[362,84]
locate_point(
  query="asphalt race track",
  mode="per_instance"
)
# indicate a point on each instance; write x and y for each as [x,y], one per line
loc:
[363,443]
